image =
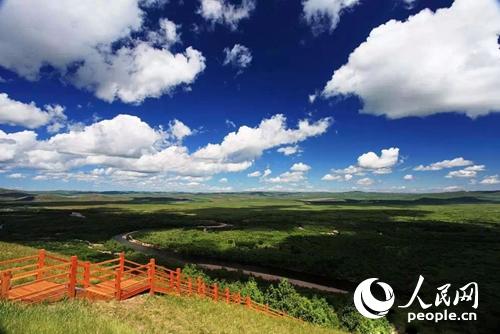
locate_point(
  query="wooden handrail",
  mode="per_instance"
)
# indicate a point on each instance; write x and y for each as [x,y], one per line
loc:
[127,278]
[37,271]
[41,280]
[23,267]
[106,262]
[60,259]
[21,259]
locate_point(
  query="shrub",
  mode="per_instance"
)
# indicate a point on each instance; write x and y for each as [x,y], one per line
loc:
[354,322]
[316,310]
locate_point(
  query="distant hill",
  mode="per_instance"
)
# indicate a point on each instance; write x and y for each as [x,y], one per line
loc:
[136,197]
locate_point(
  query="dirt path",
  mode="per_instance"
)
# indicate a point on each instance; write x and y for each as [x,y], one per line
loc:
[152,250]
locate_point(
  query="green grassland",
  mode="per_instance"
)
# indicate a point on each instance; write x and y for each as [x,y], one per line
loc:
[144,314]
[447,238]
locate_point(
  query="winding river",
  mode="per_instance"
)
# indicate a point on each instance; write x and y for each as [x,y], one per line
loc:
[264,273]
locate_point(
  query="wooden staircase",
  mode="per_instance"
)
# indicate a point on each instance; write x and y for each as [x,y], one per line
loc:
[47,278]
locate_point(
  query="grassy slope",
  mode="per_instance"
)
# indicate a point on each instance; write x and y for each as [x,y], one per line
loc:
[144,314]
[454,243]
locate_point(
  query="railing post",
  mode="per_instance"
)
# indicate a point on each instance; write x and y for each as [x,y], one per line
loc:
[248,301]
[40,264]
[267,308]
[118,284]
[122,261]
[171,279]
[198,285]
[228,295]
[216,292]
[86,274]
[190,286]
[4,292]
[73,266]
[152,273]
[178,280]
[238,298]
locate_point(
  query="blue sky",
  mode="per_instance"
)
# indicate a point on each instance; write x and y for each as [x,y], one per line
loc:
[217,95]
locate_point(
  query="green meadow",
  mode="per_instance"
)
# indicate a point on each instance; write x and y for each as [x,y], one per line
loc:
[340,239]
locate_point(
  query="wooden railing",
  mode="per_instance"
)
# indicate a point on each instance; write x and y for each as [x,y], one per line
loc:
[45,277]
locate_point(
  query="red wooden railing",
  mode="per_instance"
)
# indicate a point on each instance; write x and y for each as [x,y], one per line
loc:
[45,277]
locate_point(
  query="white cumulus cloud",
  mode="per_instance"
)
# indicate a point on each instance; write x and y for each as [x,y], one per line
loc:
[81,36]
[456,162]
[223,12]
[325,14]
[133,74]
[447,61]
[289,150]
[239,56]
[126,148]
[179,130]
[467,172]
[387,159]
[28,115]
[248,143]
[254,174]
[300,167]
[493,179]
[16,176]
[365,182]
[296,174]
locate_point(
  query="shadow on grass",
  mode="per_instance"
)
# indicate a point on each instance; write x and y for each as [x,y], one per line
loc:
[388,243]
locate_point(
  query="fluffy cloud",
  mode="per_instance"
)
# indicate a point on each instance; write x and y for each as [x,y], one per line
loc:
[288,177]
[300,167]
[90,30]
[266,173]
[29,115]
[337,177]
[133,74]
[350,170]
[16,176]
[248,143]
[408,177]
[223,12]
[81,25]
[289,150]
[493,179]
[325,14]
[365,182]
[439,62]
[254,174]
[239,56]
[167,35]
[457,162]
[13,145]
[387,159]
[467,172]
[331,177]
[296,174]
[179,130]
[367,162]
[125,147]
[122,136]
